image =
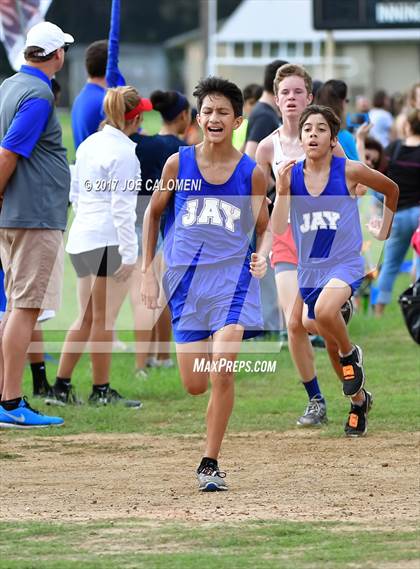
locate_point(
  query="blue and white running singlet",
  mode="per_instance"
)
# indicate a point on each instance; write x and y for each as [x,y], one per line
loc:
[207,252]
[327,233]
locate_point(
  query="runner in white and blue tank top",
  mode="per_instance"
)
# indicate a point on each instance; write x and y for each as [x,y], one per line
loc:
[319,192]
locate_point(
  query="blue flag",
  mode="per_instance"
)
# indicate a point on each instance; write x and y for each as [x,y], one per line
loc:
[113,74]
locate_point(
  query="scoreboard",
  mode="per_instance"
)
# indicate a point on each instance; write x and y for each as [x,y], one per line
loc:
[366,14]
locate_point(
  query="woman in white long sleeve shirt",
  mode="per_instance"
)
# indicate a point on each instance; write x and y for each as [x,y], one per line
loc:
[102,241]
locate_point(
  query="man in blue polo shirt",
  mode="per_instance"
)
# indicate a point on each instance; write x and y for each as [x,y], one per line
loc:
[87,112]
[34,184]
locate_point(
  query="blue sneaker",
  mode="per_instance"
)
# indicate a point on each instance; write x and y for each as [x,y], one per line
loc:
[24,417]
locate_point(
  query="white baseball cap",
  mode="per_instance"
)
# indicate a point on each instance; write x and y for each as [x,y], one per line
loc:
[48,37]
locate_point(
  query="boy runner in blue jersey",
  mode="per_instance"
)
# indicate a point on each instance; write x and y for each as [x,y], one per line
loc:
[218,199]
[320,194]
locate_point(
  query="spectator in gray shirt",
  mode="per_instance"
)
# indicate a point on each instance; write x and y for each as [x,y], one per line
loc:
[34,183]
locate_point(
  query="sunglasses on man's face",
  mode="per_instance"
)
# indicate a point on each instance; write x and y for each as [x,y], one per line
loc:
[65,47]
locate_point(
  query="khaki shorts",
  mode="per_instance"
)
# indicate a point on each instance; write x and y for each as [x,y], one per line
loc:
[33,267]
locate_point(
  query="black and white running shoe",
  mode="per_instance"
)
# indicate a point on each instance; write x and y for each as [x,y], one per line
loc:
[353,373]
[347,310]
[357,422]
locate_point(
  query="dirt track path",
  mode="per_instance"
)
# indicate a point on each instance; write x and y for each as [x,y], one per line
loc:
[280,476]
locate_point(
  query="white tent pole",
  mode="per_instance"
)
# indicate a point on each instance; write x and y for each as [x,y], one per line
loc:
[329,55]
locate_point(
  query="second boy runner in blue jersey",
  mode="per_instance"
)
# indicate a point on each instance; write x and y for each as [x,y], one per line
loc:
[320,193]
[218,199]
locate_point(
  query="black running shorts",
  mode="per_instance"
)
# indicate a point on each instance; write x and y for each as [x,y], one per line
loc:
[102,262]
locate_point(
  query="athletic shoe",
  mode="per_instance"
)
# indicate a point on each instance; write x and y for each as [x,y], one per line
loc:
[24,417]
[211,479]
[43,391]
[120,346]
[141,373]
[357,422]
[315,414]
[283,336]
[63,396]
[353,373]
[347,310]
[166,364]
[110,396]
[317,341]
[152,361]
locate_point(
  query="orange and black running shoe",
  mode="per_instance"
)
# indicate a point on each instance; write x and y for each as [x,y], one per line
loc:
[357,422]
[353,373]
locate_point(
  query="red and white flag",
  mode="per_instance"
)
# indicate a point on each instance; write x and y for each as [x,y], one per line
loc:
[16,18]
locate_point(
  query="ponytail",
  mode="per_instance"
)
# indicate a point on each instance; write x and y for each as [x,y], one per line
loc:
[117,102]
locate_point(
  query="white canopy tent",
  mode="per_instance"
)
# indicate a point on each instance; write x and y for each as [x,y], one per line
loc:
[259,31]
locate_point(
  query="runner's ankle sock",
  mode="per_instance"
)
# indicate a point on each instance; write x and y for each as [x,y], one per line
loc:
[312,389]
[346,355]
[62,383]
[11,404]
[39,376]
[206,461]
[359,403]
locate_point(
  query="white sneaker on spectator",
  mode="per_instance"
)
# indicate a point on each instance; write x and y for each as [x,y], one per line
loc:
[120,346]
[141,373]
[165,363]
[152,361]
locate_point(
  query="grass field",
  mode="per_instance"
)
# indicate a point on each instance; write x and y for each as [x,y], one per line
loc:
[115,487]
[179,546]
[145,528]
[392,366]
